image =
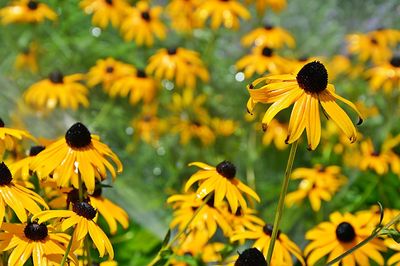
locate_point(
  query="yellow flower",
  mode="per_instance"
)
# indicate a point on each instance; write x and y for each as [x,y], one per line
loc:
[385,76]
[241,220]
[111,212]
[341,233]
[17,197]
[388,37]
[276,5]
[183,15]
[148,126]
[276,133]
[224,127]
[105,11]
[138,86]
[338,65]
[79,153]
[222,182]
[107,71]
[81,217]
[284,247]
[21,168]
[306,91]
[222,12]
[367,47]
[58,90]
[41,242]
[179,64]
[260,61]
[206,221]
[141,23]
[9,136]
[318,183]
[269,36]
[27,59]
[26,11]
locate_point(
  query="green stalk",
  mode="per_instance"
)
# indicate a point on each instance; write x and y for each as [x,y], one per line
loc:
[64,259]
[281,202]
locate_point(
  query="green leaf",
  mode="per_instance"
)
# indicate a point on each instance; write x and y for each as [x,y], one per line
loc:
[392,233]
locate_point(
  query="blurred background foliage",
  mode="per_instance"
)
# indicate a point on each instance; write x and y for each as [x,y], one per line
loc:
[153,172]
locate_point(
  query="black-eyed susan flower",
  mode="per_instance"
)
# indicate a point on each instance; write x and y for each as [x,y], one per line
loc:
[179,64]
[107,71]
[268,36]
[224,127]
[242,219]
[284,247]
[57,89]
[27,59]
[262,5]
[139,86]
[318,183]
[17,197]
[9,137]
[104,205]
[222,182]
[105,11]
[386,36]
[78,153]
[183,14]
[261,60]
[206,221]
[385,76]
[45,245]
[21,168]
[367,47]
[341,233]
[307,90]
[276,134]
[26,11]
[142,23]
[148,125]
[222,12]
[81,217]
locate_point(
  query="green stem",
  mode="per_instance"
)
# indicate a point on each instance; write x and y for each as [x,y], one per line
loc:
[281,202]
[374,234]
[64,259]
[80,182]
[87,248]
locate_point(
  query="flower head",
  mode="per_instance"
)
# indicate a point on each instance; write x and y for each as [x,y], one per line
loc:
[183,14]
[9,137]
[385,76]
[367,46]
[275,5]
[26,11]
[307,90]
[105,11]
[27,59]
[269,36]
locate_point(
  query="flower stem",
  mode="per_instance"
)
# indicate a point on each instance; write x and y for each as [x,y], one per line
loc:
[64,259]
[374,234]
[281,202]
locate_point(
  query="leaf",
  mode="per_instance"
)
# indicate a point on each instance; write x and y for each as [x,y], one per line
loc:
[166,239]
[392,233]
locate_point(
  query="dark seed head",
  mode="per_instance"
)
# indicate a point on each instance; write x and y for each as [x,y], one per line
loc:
[1,123]
[56,77]
[78,136]
[395,61]
[84,209]
[73,197]
[267,52]
[313,77]
[145,16]
[268,26]
[374,41]
[172,50]
[35,231]
[110,69]
[34,150]
[110,2]
[141,73]
[5,174]
[33,5]
[303,58]
[268,230]
[251,257]
[226,169]
[375,153]
[345,232]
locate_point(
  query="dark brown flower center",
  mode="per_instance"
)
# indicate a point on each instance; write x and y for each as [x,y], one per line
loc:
[110,2]
[267,52]
[84,209]
[374,41]
[395,61]
[56,77]
[78,136]
[226,169]
[375,153]
[251,257]
[141,73]
[313,77]
[34,150]
[1,123]
[110,69]
[35,231]
[345,232]
[172,50]
[32,5]
[268,230]
[5,174]
[146,16]
[268,26]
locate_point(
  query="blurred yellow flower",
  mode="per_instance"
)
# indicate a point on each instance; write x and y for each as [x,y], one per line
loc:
[105,11]
[179,64]
[10,136]
[107,71]
[26,11]
[57,89]
[307,90]
[148,126]
[221,181]
[222,12]
[142,23]
[385,76]
[223,127]
[338,65]
[276,133]
[242,219]
[367,47]
[27,59]
[269,36]
[341,233]
[183,14]
[388,37]
[275,5]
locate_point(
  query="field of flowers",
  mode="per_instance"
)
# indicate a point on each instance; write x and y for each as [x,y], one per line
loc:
[194,132]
